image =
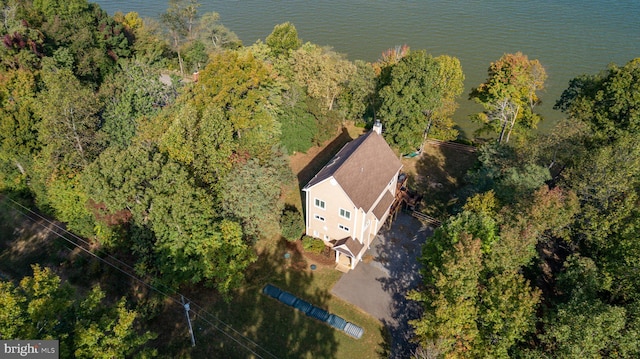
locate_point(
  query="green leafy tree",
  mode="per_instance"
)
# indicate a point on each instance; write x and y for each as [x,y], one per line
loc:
[606,102]
[493,301]
[609,216]
[149,45]
[584,325]
[42,307]
[68,201]
[510,94]
[283,39]
[176,231]
[23,43]
[195,56]
[204,142]
[251,194]
[359,92]
[449,321]
[39,303]
[214,35]
[106,332]
[451,81]
[69,120]
[560,148]
[131,93]
[94,41]
[18,126]
[507,314]
[292,224]
[414,97]
[323,72]
[605,175]
[503,170]
[180,20]
[238,85]
[298,126]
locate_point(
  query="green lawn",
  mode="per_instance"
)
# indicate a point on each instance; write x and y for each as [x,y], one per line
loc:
[282,330]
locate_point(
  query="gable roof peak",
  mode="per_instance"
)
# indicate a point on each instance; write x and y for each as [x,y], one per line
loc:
[363,168]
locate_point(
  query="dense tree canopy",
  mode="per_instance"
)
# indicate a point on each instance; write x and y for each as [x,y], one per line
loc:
[409,100]
[190,241]
[608,101]
[322,71]
[283,39]
[510,94]
[419,93]
[560,229]
[237,85]
[185,176]
[42,307]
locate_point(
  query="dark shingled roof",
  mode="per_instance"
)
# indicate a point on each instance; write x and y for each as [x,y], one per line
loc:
[363,168]
[383,205]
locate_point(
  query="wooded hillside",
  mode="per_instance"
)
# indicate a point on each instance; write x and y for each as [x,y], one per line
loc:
[104,126]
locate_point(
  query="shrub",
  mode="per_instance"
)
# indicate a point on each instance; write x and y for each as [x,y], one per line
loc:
[298,128]
[312,245]
[291,223]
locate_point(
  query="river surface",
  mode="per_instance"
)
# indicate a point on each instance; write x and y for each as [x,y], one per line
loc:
[569,37]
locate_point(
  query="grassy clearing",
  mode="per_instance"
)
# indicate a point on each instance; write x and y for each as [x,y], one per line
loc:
[283,331]
[277,329]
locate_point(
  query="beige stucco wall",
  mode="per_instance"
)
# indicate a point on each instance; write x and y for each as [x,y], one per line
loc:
[335,198]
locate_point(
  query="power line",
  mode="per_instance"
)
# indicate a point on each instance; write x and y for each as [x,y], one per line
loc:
[200,310]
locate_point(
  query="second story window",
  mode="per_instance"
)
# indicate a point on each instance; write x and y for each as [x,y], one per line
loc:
[344,228]
[319,218]
[345,214]
[320,204]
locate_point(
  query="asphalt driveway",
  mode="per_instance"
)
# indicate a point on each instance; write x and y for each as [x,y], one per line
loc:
[388,271]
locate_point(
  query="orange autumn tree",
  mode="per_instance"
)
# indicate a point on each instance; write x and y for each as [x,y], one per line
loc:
[510,94]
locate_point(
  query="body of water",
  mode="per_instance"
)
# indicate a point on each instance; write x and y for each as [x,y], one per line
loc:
[569,37]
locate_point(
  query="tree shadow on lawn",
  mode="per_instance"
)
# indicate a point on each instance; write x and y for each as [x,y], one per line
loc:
[319,160]
[280,331]
[398,254]
[440,171]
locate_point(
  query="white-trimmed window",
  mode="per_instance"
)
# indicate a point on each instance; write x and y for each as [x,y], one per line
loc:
[320,204]
[343,227]
[318,217]
[345,214]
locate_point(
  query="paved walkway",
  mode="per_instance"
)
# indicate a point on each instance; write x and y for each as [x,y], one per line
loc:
[379,286]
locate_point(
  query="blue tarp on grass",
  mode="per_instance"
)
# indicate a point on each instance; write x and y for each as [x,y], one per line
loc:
[273,292]
[336,321]
[287,298]
[302,306]
[353,330]
[320,314]
[313,311]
